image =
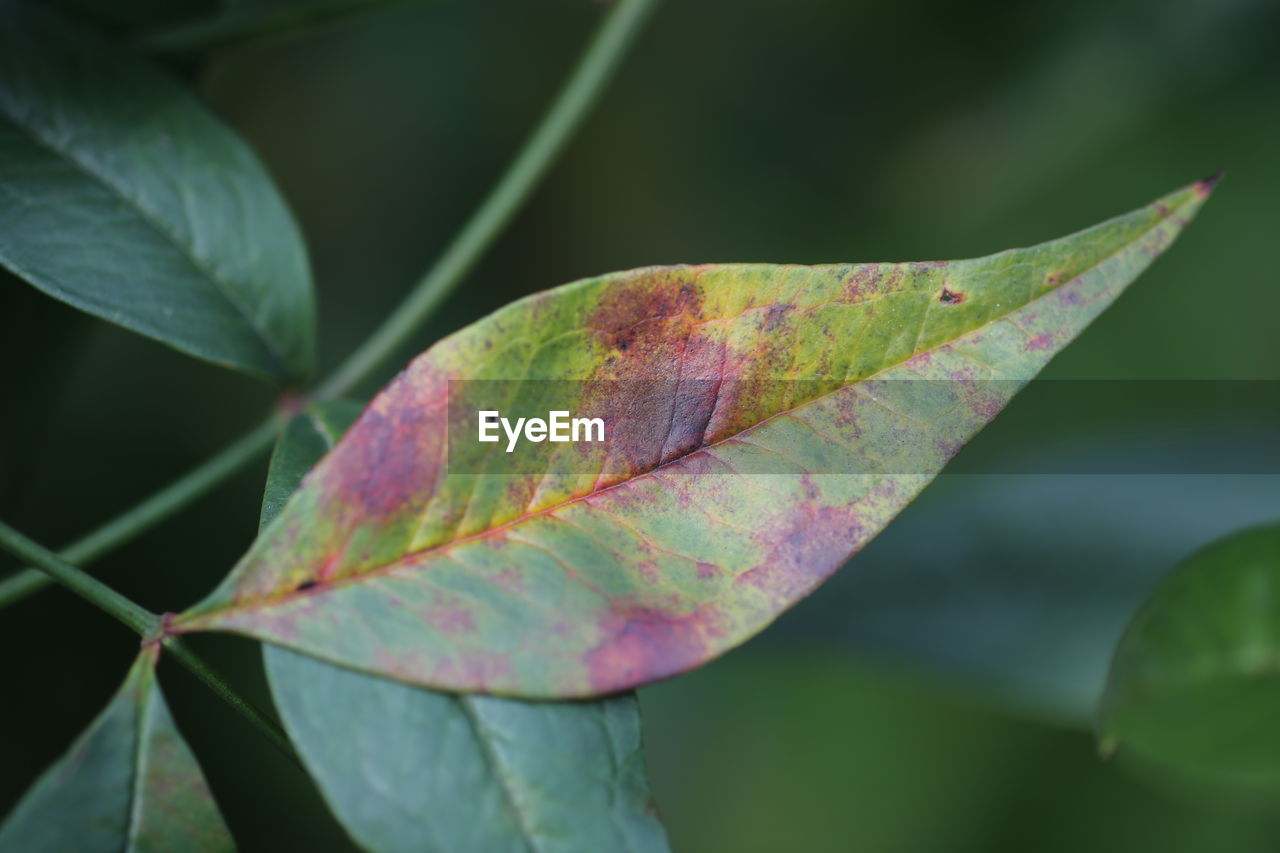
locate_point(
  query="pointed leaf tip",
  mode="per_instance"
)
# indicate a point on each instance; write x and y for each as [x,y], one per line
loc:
[129,782]
[1206,186]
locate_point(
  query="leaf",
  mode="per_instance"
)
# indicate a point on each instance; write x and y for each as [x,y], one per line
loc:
[390,560]
[129,782]
[1195,683]
[406,769]
[122,195]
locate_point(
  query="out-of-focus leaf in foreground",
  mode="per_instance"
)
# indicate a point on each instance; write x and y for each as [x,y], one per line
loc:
[666,545]
[122,195]
[408,769]
[129,783]
[1195,683]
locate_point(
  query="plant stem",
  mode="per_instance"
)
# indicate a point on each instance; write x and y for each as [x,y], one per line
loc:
[248,710]
[151,511]
[145,623]
[141,620]
[576,98]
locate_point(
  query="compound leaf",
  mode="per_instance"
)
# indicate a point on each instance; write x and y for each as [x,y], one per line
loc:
[122,195]
[677,537]
[128,783]
[414,770]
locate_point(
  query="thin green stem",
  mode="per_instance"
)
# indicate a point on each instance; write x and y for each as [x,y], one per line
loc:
[263,723]
[580,92]
[151,511]
[142,621]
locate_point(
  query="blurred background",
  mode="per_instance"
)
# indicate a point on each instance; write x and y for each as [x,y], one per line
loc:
[938,693]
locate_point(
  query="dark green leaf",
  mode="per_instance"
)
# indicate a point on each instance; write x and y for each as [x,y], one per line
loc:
[128,783]
[407,769]
[1195,683]
[122,195]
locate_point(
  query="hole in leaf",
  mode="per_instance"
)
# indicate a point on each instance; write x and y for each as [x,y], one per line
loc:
[951,297]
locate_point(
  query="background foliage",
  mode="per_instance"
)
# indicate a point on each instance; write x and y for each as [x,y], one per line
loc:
[738,131]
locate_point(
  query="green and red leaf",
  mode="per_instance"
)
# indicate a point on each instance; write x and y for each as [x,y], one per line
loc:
[674,543]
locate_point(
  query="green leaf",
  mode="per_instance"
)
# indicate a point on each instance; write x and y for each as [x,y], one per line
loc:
[406,769]
[1195,683]
[129,783]
[674,540]
[122,195]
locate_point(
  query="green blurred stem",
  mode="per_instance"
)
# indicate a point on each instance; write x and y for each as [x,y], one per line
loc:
[579,94]
[269,727]
[151,511]
[143,622]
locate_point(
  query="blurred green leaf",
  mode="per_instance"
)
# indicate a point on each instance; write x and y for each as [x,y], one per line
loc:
[122,195]
[776,749]
[129,782]
[1024,584]
[406,769]
[1195,684]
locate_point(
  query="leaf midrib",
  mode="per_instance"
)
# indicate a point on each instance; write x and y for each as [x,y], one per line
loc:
[140,752]
[467,704]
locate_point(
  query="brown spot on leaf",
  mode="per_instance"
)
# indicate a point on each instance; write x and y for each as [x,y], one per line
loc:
[1041,341]
[951,297]
[1205,186]
[450,620]
[628,308]
[642,643]
[775,316]
[390,459]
